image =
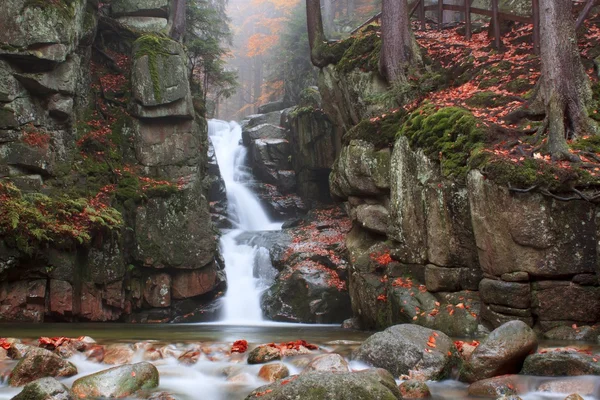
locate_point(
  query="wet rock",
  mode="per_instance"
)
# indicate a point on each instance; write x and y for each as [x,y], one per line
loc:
[95,353]
[582,333]
[190,356]
[271,107]
[273,372]
[509,294]
[140,8]
[162,396]
[574,396]
[351,323]
[61,297]
[502,352]
[505,385]
[121,381]
[561,363]
[118,354]
[40,363]
[414,390]
[17,350]
[404,350]
[264,131]
[583,386]
[188,284]
[373,384]
[264,354]
[307,292]
[44,389]
[243,378]
[327,363]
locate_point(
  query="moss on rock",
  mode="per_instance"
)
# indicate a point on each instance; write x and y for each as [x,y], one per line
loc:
[152,46]
[363,51]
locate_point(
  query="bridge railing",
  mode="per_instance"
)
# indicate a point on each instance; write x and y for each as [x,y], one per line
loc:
[495,14]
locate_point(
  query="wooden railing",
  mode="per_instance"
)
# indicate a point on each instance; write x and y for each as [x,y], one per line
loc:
[495,14]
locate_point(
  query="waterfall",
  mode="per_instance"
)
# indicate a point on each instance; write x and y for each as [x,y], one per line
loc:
[242,301]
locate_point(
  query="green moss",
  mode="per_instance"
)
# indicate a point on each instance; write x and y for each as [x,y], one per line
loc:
[595,107]
[450,135]
[519,85]
[363,52]
[299,111]
[487,100]
[162,191]
[29,222]
[152,46]
[380,131]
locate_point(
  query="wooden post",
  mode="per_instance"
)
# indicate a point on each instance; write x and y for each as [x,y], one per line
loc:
[496,22]
[422,14]
[468,19]
[535,7]
[440,14]
[584,13]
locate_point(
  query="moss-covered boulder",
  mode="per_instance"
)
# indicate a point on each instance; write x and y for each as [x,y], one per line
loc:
[44,389]
[122,381]
[143,8]
[373,384]
[40,363]
[410,350]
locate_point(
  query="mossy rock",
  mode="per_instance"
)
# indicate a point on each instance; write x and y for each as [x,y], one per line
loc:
[380,131]
[449,134]
[363,52]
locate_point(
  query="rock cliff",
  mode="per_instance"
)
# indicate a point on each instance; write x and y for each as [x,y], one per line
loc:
[97,111]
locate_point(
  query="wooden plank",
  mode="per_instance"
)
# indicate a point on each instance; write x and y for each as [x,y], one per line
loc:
[468,19]
[414,8]
[536,25]
[584,13]
[496,22]
[440,14]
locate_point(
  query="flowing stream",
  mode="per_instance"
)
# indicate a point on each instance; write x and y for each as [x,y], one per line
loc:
[242,300]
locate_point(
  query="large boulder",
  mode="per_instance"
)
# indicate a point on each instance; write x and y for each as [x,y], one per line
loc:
[502,352]
[117,382]
[373,384]
[40,363]
[410,350]
[44,389]
[307,292]
[263,131]
[561,363]
[144,8]
[327,363]
[360,170]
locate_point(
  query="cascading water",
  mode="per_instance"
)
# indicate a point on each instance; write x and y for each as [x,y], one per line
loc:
[242,300]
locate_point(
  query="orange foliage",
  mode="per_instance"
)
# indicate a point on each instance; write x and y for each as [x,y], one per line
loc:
[239,346]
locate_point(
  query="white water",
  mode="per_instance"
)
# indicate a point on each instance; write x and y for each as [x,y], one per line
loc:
[242,300]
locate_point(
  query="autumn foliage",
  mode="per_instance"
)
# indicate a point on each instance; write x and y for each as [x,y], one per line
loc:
[239,346]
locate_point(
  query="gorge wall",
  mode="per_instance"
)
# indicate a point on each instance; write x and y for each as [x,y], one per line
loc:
[97,112]
[461,254]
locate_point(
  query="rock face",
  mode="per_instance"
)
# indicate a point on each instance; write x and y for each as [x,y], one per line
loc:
[404,350]
[122,381]
[376,384]
[502,352]
[145,156]
[40,363]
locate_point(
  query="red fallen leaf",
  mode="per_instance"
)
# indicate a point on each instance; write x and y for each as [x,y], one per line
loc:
[132,373]
[52,343]
[382,297]
[239,346]
[460,305]
[4,344]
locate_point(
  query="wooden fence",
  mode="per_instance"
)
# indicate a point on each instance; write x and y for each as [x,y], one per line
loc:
[495,14]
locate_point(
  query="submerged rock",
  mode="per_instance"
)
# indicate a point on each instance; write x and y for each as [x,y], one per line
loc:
[505,385]
[44,389]
[502,352]
[373,384]
[414,390]
[410,349]
[117,382]
[40,363]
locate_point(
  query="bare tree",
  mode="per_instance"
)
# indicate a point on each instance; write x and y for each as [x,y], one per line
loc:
[316,34]
[178,20]
[564,88]
[399,49]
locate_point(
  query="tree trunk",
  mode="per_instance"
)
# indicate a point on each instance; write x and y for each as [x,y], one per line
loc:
[258,80]
[178,20]
[564,90]
[329,16]
[316,34]
[399,49]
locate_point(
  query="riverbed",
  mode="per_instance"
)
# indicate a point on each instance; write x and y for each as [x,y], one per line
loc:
[220,375]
